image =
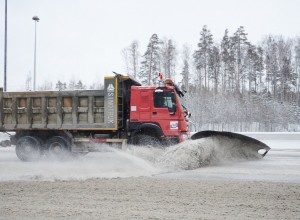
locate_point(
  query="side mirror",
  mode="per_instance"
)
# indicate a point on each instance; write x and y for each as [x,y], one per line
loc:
[187,114]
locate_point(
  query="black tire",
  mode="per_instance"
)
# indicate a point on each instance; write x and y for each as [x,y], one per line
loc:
[58,148]
[28,148]
[146,140]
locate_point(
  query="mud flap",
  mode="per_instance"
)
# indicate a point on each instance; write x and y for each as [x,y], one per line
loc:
[252,147]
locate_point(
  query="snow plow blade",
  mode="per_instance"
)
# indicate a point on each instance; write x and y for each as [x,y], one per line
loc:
[239,144]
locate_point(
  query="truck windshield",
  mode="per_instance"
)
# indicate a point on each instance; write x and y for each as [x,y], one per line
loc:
[165,99]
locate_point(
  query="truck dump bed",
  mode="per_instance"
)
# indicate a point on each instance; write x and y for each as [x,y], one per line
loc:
[72,110]
[54,110]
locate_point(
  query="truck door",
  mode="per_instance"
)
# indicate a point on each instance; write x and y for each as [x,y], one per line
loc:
[165,111]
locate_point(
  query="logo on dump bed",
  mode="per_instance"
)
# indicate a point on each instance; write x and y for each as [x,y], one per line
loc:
[110,88]
[110,112]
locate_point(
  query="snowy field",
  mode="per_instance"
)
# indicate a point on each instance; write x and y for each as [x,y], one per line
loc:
[281,164]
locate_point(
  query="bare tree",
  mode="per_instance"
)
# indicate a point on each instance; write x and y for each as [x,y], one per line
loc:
[46,86]
[125,55]
[131,56]
[97,85]
[72,84]
[186,70]
[28,81]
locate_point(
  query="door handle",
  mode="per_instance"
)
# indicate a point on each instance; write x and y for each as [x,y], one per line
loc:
[154,113]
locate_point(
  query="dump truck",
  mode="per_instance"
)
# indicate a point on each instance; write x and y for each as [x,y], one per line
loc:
[57,124]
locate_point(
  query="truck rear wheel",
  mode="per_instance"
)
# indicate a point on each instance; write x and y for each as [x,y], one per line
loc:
[28,148]
[146,140]
[58,148]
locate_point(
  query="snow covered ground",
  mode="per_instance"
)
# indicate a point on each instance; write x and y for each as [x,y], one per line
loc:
[158,186]
[281,164]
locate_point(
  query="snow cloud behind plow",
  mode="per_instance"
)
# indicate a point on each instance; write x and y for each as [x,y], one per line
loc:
[208,151]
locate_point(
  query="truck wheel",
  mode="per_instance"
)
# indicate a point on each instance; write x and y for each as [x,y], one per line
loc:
[146,140]
[28,148]
[58,148]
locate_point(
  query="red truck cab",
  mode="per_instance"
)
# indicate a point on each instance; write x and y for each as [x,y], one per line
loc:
[156,115]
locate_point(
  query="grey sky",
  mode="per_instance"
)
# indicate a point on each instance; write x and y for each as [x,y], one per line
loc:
[83,39]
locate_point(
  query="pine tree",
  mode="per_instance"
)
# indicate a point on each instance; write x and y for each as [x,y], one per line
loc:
[185,75]
[80,85]
[201,55]
[297,68]
[168,57]
[239,41]
[151,63]
[287,75]
[214,67]
[271,62]
[225,58]
[260,68]
[60,86]
[250,69]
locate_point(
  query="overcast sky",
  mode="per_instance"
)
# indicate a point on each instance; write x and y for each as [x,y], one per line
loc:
[83,39]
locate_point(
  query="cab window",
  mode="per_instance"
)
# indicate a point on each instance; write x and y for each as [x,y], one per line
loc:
[165,99]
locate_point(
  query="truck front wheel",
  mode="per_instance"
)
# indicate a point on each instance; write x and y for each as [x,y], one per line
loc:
[146,140]
[58,148]
[28,148]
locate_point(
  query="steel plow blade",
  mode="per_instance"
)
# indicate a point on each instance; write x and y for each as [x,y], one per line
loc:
[239,146]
